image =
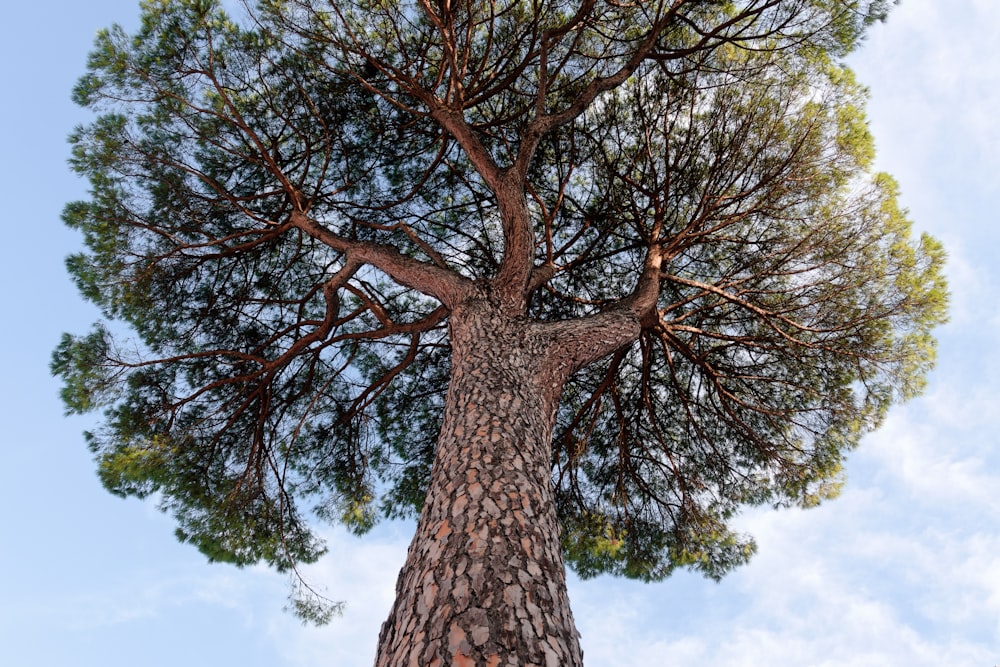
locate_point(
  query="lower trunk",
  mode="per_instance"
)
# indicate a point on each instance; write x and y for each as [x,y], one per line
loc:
[484,582]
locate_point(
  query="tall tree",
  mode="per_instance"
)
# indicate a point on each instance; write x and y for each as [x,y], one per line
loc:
[572,282]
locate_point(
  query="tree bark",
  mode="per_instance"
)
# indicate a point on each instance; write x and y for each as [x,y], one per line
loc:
[484,582]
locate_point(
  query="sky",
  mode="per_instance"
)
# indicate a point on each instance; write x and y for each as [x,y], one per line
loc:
[902,569]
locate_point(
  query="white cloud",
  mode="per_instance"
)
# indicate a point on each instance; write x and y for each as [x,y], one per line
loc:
[969,286]
[362,572]
[838,586]
[936,87]
[143,594]
[934,465]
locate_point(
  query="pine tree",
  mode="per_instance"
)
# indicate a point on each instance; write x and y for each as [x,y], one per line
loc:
[570,282]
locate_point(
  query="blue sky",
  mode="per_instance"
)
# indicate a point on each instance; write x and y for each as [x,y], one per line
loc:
[903,569]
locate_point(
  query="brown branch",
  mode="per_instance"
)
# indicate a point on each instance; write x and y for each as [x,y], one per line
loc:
[443,284]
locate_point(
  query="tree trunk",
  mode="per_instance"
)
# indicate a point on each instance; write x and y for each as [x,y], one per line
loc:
[484,582]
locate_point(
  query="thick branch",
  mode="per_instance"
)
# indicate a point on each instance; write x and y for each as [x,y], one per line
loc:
[578,343]
[541,275]
[441,283]
[454,123]
[642,301]
[511,284]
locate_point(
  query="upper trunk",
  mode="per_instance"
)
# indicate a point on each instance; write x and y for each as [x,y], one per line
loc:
[484,582]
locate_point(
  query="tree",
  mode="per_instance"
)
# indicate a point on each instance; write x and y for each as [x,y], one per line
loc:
[572,282]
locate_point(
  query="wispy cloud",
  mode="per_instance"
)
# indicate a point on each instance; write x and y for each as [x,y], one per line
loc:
[119,601]
[936,87]
[843,586]
[360,571]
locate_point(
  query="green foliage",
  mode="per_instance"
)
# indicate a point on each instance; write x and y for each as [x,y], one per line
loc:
[310,606]
[89,381]
[269,379]
[796,309]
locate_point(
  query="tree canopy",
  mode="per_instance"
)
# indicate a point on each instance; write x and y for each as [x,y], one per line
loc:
[285,206]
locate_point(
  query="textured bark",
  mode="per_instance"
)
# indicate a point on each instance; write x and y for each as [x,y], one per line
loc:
[484,581]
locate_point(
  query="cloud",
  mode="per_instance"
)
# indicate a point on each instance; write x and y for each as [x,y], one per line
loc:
[144,594]
[970,286]
[936,86]
[843,585]
[937,464]
[360,571]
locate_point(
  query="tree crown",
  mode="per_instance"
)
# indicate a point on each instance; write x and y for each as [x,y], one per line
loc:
[285,209]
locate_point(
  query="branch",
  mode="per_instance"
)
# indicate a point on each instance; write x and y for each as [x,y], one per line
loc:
[511,284]
[454,123]
[443,284]
[642,301]
[580,342]
[543,123]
